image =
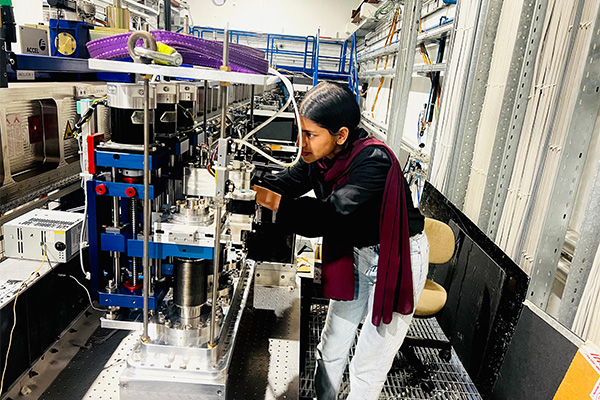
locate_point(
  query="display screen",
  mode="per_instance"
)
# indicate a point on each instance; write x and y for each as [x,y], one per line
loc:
[280,130]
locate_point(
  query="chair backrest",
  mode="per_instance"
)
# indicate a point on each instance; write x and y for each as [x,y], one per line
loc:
[441,241]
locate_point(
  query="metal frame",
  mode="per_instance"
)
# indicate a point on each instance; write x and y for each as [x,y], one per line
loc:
[538,176]
[174,72]
[512,116]
[456,183]
[3,73]
[404,68]
[583,258]
[443,94]
[572,160]
[475,96]
[16,186]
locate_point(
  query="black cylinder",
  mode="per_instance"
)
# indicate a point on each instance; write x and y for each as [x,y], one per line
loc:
[165,122]
[124,130]
[190,287]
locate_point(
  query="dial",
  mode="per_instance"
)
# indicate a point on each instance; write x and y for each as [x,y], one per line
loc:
[218,2]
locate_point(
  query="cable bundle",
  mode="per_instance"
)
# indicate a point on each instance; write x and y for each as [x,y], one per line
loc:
[194,50]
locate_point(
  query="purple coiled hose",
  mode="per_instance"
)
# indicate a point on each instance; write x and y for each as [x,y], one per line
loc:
[194,50]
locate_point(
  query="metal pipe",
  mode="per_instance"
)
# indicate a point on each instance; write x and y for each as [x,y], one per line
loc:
[219,199]
[216,262]
[205,110]
[147,209]
[116,255]
[168,15]
[149,42]
[224,86]
[252,107]
[134,231]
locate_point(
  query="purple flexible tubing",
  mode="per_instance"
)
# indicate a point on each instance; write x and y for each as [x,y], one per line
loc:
[194,50]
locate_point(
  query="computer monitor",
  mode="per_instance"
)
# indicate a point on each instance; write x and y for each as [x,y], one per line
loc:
[279,131]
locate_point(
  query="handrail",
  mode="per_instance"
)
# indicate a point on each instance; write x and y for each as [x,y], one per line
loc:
[334,62]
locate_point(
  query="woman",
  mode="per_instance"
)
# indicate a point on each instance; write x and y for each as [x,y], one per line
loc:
[375,255]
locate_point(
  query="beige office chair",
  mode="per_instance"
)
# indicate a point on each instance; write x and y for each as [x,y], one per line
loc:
[441,250]
[433,299]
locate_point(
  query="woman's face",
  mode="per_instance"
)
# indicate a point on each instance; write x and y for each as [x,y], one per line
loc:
[317,142]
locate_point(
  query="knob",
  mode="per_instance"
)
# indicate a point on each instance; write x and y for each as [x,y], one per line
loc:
[101,189]
[130,191]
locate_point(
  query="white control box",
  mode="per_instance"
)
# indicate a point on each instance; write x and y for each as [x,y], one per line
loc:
[56,232]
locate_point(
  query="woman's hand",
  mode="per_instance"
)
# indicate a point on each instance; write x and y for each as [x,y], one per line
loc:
[267,198]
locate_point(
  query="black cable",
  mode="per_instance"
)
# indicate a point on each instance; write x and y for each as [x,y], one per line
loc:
[87,116]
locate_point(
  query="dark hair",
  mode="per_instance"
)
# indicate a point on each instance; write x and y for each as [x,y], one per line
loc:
[332,106]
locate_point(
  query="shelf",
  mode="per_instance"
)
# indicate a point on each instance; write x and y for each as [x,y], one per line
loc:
[376,128]
[180,72]
[383,51]
[430,35]
[435,33]
[132,4]
[377,72]
[30,62]
[425,68]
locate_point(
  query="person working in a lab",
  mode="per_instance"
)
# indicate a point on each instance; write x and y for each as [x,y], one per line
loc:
[375,254]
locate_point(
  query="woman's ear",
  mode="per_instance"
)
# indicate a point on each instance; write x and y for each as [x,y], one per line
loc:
[342,136]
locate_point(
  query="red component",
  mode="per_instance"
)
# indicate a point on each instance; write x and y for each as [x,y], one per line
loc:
[36,129]
[129,285]
[92,141]
[130,191]
[128,179]
[101,189]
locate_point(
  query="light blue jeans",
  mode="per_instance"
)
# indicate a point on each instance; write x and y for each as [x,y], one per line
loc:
[377,346]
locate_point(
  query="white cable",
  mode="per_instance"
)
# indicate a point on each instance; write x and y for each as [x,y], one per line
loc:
[281,110]
[86,291]
[85,207]
[244,142]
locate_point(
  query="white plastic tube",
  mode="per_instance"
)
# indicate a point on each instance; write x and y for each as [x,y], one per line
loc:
[291,99]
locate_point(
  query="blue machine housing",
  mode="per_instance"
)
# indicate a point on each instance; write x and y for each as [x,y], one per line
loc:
[79,30]
[103,241]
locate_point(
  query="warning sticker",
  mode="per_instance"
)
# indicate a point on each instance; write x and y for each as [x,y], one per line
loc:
[593,358]
[15,135]
[595,395]
[69,131]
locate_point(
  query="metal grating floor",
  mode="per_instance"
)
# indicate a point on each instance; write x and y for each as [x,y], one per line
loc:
[450,381]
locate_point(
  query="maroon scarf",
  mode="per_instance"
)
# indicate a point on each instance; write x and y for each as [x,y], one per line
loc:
[394,287]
